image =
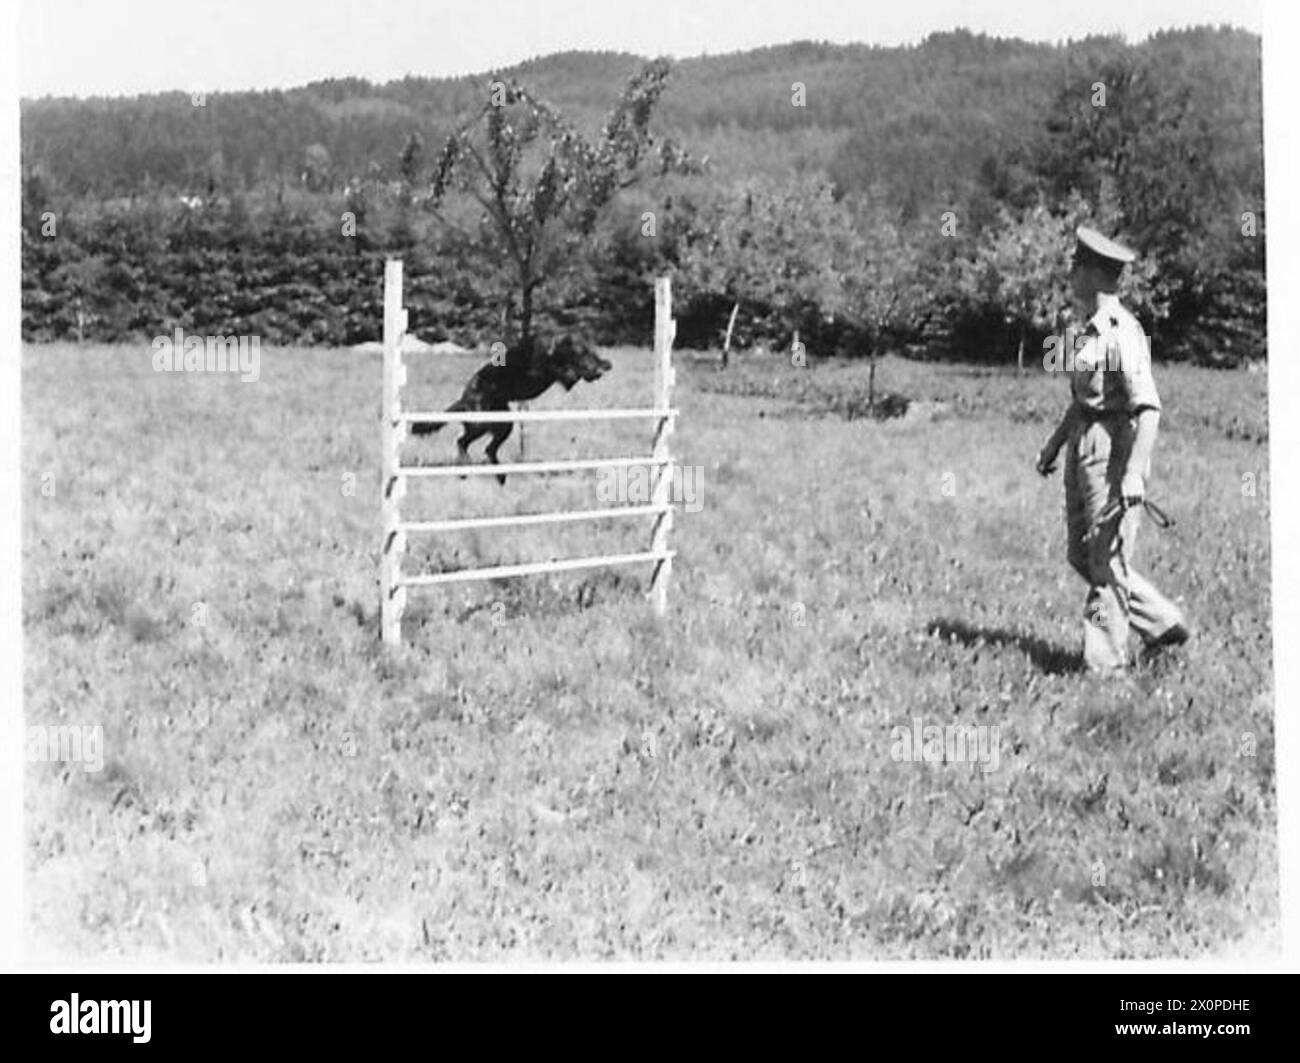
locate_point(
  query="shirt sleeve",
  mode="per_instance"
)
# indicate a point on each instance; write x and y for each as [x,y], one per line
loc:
[1135,371]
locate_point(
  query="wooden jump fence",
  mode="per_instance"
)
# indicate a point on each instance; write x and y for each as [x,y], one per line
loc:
[395,420]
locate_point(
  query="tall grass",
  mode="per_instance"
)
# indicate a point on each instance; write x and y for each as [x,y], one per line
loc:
[546,771]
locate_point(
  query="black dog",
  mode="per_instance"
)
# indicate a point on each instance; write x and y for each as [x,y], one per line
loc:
[528,370]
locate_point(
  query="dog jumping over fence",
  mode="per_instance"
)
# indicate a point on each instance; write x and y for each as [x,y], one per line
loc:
[527,372]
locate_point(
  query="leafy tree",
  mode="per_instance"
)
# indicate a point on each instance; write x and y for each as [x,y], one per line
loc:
[541,185]
[411,159]
[882,285]
[782,247]
[1178,142]
[316,167]
[1021,268]
[83,281]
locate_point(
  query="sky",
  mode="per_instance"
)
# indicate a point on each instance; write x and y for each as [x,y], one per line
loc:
[123,47]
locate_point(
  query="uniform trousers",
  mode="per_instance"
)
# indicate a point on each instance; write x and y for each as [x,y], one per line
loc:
[1119,597]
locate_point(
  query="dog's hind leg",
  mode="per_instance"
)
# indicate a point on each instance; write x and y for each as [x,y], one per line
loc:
[471,433]
[424,428]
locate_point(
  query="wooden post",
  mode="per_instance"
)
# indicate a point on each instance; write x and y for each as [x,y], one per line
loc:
[665,330]
[726,342]
[392,601]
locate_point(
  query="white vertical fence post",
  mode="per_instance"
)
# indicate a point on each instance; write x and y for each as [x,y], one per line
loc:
[665,330]
[392,602]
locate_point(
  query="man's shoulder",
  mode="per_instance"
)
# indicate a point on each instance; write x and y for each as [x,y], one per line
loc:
[1113,316]
[1126,318]
[1124,332]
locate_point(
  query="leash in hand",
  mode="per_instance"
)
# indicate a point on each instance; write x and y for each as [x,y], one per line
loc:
[1159,517]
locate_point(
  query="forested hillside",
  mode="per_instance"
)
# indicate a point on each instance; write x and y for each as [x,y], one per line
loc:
[948,167]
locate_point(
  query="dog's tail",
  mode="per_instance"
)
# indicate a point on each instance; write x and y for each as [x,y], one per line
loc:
[427,428]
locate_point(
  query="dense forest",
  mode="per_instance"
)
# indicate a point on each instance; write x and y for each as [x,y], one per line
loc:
[918,198]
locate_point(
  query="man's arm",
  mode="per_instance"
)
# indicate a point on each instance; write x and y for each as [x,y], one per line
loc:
[1144,403]
[1133,487]
[1047,456]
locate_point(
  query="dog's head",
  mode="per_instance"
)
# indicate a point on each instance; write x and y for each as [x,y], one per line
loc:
[574,360]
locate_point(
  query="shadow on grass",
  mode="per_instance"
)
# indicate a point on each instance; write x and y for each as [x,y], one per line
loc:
[1047,657]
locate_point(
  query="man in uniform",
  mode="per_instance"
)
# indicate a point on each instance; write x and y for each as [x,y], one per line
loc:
[1109,432]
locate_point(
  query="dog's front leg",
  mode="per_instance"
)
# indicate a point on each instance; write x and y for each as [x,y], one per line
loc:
[462,445]
[500,433]
[471,433]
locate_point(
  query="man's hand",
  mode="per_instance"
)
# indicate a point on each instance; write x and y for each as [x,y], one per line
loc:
[1132,489]
[1046,463]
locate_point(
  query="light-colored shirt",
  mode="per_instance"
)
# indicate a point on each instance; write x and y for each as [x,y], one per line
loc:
[1112,365]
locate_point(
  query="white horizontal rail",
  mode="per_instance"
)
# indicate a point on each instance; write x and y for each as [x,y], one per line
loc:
[498,416]
[519,467]
[521,519]
[531,568]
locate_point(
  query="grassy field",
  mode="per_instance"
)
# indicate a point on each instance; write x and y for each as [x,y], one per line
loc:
[545,771]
